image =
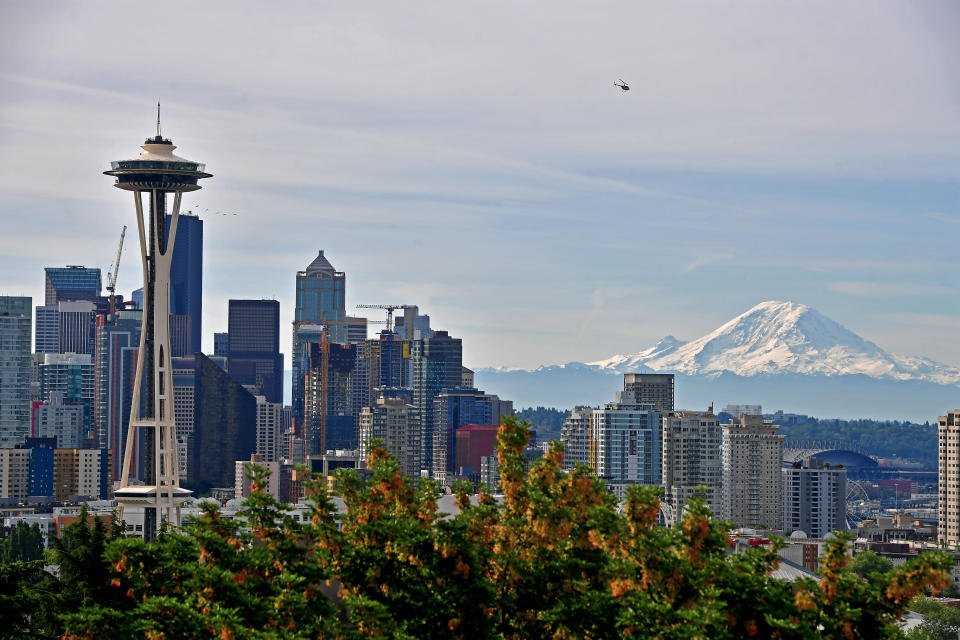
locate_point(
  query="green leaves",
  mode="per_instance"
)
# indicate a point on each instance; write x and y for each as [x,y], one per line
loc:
[553,558]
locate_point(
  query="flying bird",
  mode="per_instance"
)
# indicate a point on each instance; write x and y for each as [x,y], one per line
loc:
[623,85]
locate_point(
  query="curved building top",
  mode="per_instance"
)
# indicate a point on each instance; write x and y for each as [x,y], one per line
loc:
[157,168]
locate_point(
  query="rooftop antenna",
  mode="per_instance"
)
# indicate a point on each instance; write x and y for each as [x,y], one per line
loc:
[158,118]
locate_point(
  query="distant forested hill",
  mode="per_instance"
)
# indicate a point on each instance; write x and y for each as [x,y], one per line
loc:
[546,421]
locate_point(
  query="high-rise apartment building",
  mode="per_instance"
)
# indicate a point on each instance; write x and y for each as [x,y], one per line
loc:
[54,419]
[186,282]
[814,498]
[691,459]
[626,441]
[575,436]
[752,454]
[437,364]
[269,429]
[14,473]
[651,388]
[184,399]
[948,530]
[72,282]
[396,422]
[16,318]
[255,360]
[320,298]
[79,473]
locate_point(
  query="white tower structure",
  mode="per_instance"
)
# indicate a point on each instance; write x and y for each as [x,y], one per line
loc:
[159,174]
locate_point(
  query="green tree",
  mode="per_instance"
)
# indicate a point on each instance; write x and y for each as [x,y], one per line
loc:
[869,565]
[940,622]
[24,544]
[557,557]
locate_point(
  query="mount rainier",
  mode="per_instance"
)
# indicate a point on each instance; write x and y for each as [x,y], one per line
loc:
[781,354]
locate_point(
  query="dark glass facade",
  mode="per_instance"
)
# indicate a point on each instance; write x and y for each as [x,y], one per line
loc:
[186,278]
[71,283]
[225,425]
[254,336]
[341,428]
[437,364]
[320,298]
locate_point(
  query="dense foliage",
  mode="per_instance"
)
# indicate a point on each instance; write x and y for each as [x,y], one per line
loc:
[24,543]
[940,622]
[545,420]
[555,559]
[916,442]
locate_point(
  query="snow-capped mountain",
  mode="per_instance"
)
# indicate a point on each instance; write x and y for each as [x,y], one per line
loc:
[776,338]
[780,354]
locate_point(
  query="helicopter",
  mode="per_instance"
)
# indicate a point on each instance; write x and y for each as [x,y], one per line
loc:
[623,85]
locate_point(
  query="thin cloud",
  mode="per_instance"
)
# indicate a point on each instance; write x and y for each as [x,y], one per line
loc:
[883,290]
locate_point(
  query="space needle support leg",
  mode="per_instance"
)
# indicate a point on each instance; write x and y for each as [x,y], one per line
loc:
[138,377]
[165,443]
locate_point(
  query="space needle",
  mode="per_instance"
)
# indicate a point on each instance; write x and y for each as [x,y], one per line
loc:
[163,177]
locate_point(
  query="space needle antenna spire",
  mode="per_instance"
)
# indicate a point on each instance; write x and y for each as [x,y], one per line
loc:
[158,119]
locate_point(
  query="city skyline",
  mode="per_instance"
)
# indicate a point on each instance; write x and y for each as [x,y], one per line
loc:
[507,189]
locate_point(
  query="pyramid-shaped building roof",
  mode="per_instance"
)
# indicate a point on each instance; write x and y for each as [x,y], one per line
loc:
[320,264]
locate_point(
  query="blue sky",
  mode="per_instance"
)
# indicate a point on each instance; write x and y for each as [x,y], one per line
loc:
[477,160]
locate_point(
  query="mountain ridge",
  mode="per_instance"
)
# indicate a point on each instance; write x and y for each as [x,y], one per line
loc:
[779,353]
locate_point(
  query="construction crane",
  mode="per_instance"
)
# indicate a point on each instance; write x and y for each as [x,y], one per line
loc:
[112,273]
[389,308]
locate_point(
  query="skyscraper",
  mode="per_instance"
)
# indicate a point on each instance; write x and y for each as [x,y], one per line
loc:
[575,435]
[320,298]
[691,459]
[67,326]
[255,360]
[69,375]
[752,454]
[396,422]
[72,282]
[225,425]
[269,429]
[814,498]
[948,427]
[186,278]
[329,417]
[15,369]
[437,364]
[626,441]
[651,388]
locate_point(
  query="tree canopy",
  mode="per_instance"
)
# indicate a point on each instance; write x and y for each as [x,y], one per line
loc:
[556,558]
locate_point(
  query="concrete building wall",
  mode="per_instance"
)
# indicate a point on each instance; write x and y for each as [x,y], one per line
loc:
[752,453]
[691,459]
[949,477]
